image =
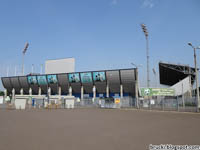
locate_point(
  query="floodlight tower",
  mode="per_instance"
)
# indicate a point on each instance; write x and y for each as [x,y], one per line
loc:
[24,52]
[196,74]
[144,28]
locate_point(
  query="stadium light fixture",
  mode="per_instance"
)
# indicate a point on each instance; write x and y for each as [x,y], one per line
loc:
[196,75]
[190,44]
[24,52]
[136,66]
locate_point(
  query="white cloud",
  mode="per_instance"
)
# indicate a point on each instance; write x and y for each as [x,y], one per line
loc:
[148,4]
[114,2]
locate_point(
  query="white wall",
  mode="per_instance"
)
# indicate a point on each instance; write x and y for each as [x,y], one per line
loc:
[182,87]
[60,66]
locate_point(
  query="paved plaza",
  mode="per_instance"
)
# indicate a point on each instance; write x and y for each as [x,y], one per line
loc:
[95,129]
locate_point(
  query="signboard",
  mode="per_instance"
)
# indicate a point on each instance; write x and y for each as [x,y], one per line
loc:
[117,101]
[99,76]
[32,80]
[86,77]
[52,79]
[157,92]
[42,80]
[74,77]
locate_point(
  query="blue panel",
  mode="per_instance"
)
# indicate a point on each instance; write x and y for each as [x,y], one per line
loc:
[125,94]
[32,80]
[111,94]
[52,79]
[99,76]
[86,77]
[76,95]
[42,80]
[104,95]
[90,94]
[97,94]
[74,77]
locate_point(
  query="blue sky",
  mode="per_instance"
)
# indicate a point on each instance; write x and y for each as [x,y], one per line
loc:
[100,34]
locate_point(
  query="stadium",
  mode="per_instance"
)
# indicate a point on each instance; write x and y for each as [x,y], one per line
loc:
[60,83]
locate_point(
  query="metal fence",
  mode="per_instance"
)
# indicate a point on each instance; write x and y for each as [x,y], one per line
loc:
[155,103]
[169,104]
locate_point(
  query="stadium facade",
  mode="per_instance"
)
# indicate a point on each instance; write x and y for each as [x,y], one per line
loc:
[103,83]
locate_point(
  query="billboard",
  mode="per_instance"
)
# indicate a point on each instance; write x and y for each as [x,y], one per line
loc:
[42,80]
[52,79]
[99,76]
[74,77]
[32,80]
[86,77]
[157,92]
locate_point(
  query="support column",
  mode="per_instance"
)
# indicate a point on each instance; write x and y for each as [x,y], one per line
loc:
[59,91]
[30,91]
[121,91]
[5,95]
[13,94]
[22,91]
[70,91]
[82,92]
[107,90]
[39,91]
[94,92]
[49,91]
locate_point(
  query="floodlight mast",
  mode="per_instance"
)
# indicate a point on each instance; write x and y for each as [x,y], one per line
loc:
[144,28]
[147,53]
[196,75]
[23,54]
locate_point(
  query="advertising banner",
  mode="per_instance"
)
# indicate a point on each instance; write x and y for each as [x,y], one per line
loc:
[86,77]
[74,77]
[99,76]
[42,80]
[52,79]
[157,92]
[32,80]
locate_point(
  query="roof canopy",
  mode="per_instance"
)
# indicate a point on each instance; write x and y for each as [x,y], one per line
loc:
[171,74]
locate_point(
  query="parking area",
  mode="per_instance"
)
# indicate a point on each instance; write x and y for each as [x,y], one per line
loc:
[95,129]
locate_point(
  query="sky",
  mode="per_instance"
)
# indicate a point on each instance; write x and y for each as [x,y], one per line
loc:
[99,34]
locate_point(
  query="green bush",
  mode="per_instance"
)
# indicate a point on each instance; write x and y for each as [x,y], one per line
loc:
[1,93]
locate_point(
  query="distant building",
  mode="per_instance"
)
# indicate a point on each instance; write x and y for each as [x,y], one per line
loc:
[56,66]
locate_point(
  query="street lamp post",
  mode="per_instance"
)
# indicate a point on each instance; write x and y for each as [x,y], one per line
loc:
[136,85]
[196,75]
